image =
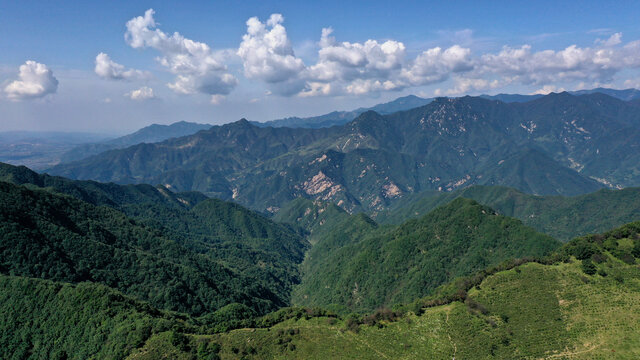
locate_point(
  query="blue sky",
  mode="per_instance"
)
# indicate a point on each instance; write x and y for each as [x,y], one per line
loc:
[284,67]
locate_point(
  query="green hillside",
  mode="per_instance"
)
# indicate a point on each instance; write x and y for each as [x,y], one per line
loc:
[365,269]
[560,217]
[91,270]
[49,320]
[318,218]
[60,238]
[225,233]
[517,310]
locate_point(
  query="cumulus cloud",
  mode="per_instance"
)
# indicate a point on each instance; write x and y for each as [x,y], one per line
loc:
[375,66]
[266,51]
[197,67]
[370,66]
[109,69]
[144,93]
[267,55]
[596,64]
[342,67]
[35,80]
[347,61]
[436,65]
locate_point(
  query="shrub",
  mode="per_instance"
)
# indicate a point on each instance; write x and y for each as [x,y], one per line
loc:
[588,267]
[475,307]
[602,273]
[353,324]
[598,258]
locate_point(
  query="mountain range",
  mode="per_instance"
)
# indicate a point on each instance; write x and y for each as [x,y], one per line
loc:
[342,117]
[465,227]
[558,144]
[411,101]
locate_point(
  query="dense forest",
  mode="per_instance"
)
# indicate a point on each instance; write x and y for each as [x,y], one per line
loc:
[92,270]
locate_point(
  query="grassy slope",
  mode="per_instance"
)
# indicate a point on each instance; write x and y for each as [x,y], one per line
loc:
[561,217]
[530,311]
[533,311]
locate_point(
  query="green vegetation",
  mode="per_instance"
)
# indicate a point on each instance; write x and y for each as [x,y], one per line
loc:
[235,237]
[49,320]
[549,310]
[364,266]
[317,218]
[561,217]
[60,238]
[107,271]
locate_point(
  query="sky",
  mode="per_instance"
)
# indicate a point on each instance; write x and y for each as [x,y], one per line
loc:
[114,67]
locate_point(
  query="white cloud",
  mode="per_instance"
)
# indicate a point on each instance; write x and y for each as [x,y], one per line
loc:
[197,67]
[573,63]
[435,65]
[144,93]
[371,66]
[266,51]
[267,55]
[547,89]
[109,69]
[35,80]
[357,68]
[342,67]
[465,85]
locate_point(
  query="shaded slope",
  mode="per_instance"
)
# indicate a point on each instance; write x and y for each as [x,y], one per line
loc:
[533,172]
[226,233]
[317,218]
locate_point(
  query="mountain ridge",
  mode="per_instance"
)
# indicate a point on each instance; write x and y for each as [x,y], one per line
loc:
[148,134]
[372,161]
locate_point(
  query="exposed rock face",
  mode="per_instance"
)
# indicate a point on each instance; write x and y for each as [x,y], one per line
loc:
[391,190]
[322,186]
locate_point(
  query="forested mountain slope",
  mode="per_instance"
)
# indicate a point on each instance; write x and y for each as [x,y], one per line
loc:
[364,266]
[560,217]
[580,303]
[558,144]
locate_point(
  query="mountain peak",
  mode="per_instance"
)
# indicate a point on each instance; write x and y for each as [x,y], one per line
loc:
[244,123]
